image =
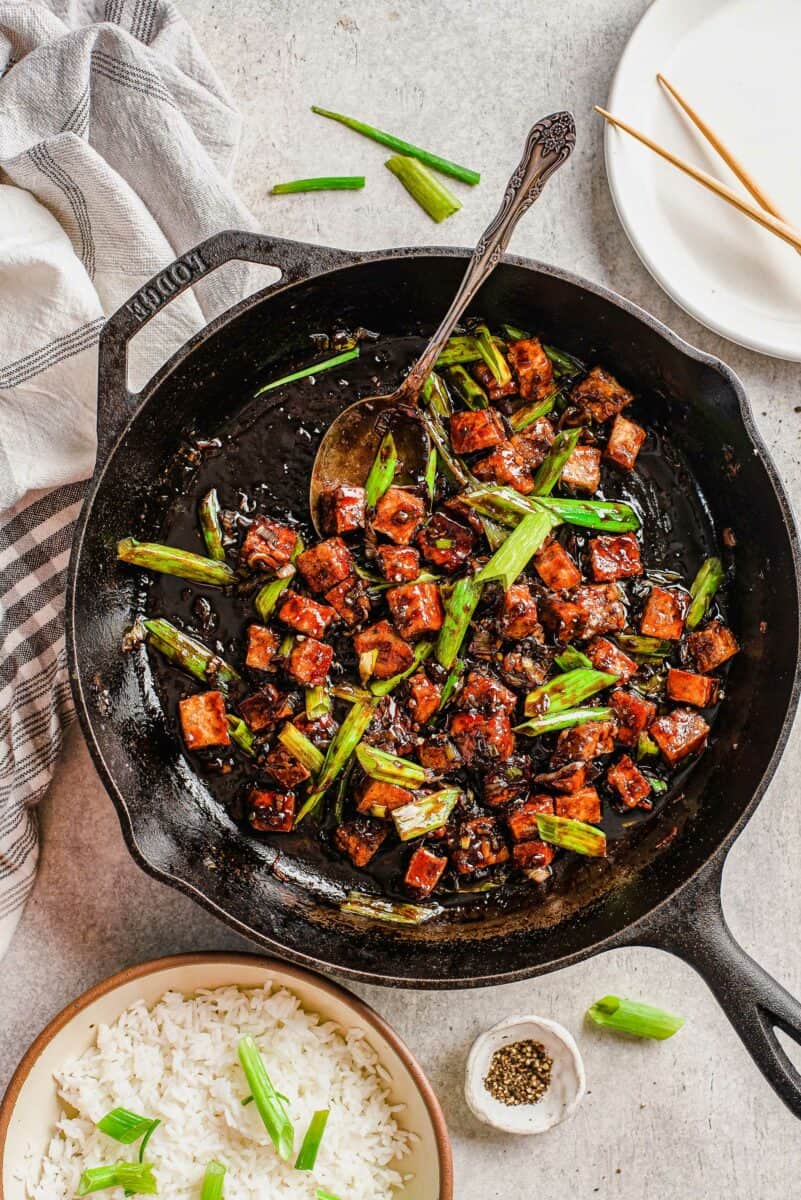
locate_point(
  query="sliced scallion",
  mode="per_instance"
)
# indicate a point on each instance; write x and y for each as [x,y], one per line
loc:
[271,1108]
[527,414]
[319,183]
[315,369]
[469,392]
[382,472]
[299,746]
[573,835]
[124,1126]
[551,469]
[432,196]
[168,560]
[382,687]
[567,691]
[188,653]
[423,816]
[241,733]
[512,557]
[702,591]
[389,768]
[571,658]
[549,723]
[134,1177]
[268,596]
[212,1186]
[317,702]
[492,355]
[340,748]
[459,609]
[364,905]
[307,1155]
[211,528]
[629,1016]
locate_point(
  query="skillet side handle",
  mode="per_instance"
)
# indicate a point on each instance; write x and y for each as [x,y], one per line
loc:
[295,260]
[694,928]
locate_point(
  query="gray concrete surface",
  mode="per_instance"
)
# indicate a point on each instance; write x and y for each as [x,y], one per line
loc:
[690,1119]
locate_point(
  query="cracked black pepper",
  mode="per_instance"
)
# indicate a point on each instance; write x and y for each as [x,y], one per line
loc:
[519,1073]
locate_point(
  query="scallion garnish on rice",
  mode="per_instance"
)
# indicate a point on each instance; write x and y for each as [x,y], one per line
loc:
[212,1186]
[307,1155]
[271,1108]
[134,1177]
[125,1126]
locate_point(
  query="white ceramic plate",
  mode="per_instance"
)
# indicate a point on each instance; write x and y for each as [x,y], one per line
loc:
[737,63]
[31,1107]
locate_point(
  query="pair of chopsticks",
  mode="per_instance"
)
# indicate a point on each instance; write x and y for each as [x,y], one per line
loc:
[764,212]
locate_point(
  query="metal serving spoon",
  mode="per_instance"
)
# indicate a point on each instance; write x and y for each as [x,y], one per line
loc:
[350,444]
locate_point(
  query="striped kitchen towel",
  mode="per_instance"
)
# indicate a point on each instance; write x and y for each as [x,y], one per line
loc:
[117,143]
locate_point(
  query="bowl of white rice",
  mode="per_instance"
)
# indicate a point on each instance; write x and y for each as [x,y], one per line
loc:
[161,1040]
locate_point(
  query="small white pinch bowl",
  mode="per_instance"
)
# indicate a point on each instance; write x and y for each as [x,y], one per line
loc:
[563,1096]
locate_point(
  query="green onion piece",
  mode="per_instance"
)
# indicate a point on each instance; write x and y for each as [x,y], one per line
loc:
[436,395]
[340,748]
[212,1186]
[551,469]
[209,516]
[382,472]
[431,473]
[629,1016]
[349,692]
[301,748]
[315,369]
[492,355]
[382,687]
[280,1095]
[241,734]
[367,661]
[703,589]
[513,334]
[572,835]
[318,703]
[268,596]
[511,559]
[169,561]
[449,686]
[463,348]
[124,1126]
[439,437]
[529,413]
[469,392]
[564,364]
[364,905]
[646,747]
[443,165]
[538,726]
[287,642]
[571,658]
[459,609]
[432,196]
[505,504]
[320,183]
[389,768]
[322,1194]
[134,1177]
[271,1108]
[658,786]
[307,1155]
[495,534]
[644,647]
[423,816]
[143,1144]
[188,653]
[567,691]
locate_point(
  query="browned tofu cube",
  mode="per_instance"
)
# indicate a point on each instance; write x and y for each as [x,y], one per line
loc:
[398,515]
[487,738]
[379,799]
[582,471]
[343,509]
[474,431]
[532,445]
[271,812]
[599,396]
[480,844]
[446,543]
[262,648]
[606,656]
[570,778]
[663,615]
[533,858]
[482,692]
[561,617]
[615,557]
[633,714]
[350,601]
[319,731]
[268,546]
[360,839]
[592,609]
[532,368]
[495,391]
[305,615]
[518,617]
[424,697]
[440,755]
[261,710]
[584,742]
[325,565]
[712,646]
[424,871]
[624,443]
[309,661]
[203,720]
[285,769]
[399,564]
[679,733]
[416,609]
[689,688]
[630,784]
[394,654]
[505,467]
[583,805]
[505,783]
[522,821]
[556,568]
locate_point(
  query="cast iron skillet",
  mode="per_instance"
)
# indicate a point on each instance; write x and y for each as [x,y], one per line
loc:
[664,890]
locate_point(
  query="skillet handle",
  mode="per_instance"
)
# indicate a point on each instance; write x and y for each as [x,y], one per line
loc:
[694,928]
[295,260]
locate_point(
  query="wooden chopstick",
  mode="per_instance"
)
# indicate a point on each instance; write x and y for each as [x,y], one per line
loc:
[766,219]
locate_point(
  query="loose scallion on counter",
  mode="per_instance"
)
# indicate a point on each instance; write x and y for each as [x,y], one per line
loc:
[567,691]
[307,1155]
[212,1186]
[364,905]
[573,835]
[382,472]
[271,1108]
[135,1177]
[550,722]
[629,1016]
[432,196]
[319,183]
[168,560]
[702,591]
[316,369]
[211,528]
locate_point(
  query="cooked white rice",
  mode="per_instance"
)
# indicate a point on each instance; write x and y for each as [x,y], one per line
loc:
[178,1061]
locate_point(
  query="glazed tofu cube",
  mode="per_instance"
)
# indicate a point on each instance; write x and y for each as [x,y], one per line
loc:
[305,615]
[474,431]
[394,654]
[582,471]
[398,515]
[599,396]
[424,697]
[519,613]
[446,543]
[560,617]
[343,509]
[628,781]
[606,656]
[688,688]
[532,368]
[261,710]
[416,609]
[424,871]
[325,565]
[633,714]
[349,601]
[268,546]
[522,821]
[319,731]
[532,445]
[583,805]
[481,692]
[480,844]
[379,799]
[285,769]
[679,733]
[271,812]
[556,568]
[399,564]
[712,646]
[592,609]
[624,443]
[309,661]
[503,466]
[440,755]
[391,728]
[496,391]
[533,858]
[570,778]
[584,742]
[360,839]
[480,737]
[203,720]
[262,648]
[505,783]
[663,615]
[615,557]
